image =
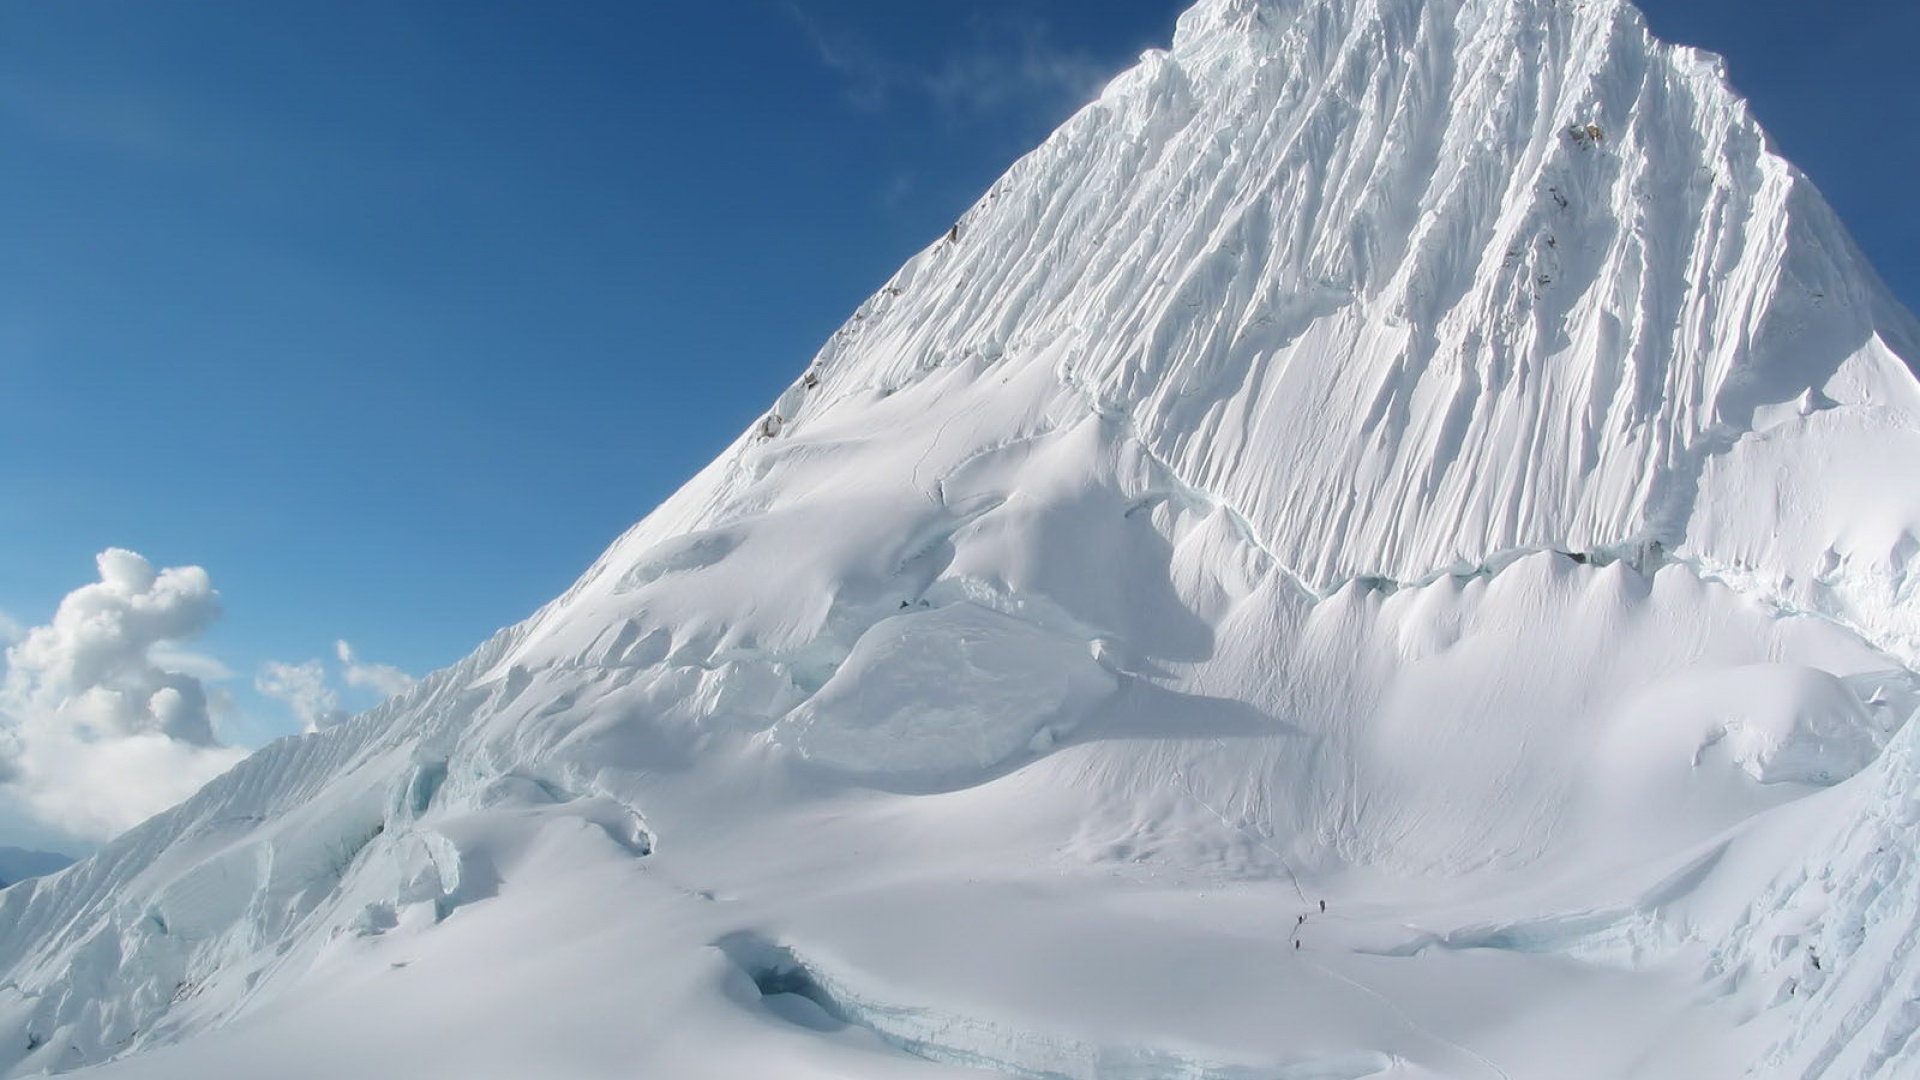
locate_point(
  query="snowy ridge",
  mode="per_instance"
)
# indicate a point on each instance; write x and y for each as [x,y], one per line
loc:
[1546,338]
[1536,349]
[1428,457]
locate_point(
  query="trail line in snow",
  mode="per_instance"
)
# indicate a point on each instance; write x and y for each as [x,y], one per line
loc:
[932,445]
[1399,1014]
[1407,1021]
[1292,877]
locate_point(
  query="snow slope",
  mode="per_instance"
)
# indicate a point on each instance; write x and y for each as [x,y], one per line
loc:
[1385,547]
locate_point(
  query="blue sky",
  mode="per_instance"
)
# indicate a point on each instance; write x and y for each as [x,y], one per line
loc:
[393,315]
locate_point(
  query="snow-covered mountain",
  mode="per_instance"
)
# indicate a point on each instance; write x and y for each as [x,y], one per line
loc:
[1386,547]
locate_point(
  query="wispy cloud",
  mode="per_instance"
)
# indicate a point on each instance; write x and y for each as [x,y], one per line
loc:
[900,187]
[1002,63]
[137,124]
[868,76]
[302,688]
[1013,63]
[384,679]
[312,692]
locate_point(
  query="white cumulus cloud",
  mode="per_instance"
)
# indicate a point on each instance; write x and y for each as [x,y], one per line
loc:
[98,730]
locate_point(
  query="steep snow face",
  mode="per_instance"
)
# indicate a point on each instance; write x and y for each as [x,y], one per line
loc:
[1423,457]
[1408,283]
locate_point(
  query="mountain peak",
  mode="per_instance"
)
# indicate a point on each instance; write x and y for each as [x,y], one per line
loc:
[1520,224]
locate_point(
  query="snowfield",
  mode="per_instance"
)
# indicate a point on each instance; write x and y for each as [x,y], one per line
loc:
[1387,547]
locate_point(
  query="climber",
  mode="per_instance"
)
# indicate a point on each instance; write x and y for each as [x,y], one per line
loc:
[953,234]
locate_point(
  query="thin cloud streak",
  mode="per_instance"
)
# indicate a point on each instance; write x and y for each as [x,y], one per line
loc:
[989,77]
[868,76]
[1008,64]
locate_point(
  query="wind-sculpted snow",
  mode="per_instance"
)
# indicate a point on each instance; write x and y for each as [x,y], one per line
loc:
[1543,335]
[1385,547]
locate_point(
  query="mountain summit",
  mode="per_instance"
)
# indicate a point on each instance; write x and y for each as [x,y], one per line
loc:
[1385,547]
